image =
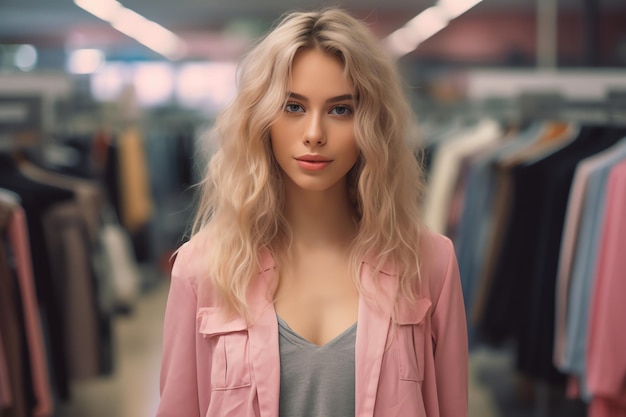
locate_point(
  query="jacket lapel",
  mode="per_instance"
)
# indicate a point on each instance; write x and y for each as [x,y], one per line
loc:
[263,337]
[374,320]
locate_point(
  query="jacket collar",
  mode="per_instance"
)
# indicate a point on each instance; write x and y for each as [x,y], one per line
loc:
[374,321]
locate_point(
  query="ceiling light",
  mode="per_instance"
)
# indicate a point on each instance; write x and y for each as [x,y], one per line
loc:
[400,42]
[108,82]
[426,24]
[135,26]
[103,9]
[455,8]
[25,57]
[153,83]
[149,33]
[85,61]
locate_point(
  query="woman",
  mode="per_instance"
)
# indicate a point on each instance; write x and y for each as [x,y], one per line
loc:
[309,287]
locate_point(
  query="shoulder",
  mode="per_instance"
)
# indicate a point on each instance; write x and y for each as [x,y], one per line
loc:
[191,263]
[436,250]
[438,263]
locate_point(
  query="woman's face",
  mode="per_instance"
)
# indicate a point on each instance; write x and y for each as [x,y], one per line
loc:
[313,139]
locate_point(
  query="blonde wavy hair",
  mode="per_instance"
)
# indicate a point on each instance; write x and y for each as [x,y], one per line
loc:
[241,207]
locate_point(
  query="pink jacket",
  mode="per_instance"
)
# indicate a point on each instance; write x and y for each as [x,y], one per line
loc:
[217,368]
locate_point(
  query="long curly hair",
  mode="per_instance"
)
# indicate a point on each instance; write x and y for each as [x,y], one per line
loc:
[241,204]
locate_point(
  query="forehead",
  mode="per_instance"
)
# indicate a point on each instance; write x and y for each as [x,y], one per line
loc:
[319,74]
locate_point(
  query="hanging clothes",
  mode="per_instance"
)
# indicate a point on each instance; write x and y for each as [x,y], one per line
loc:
[474,224]
[521,300]
[472,232]
[127,181]
[551,137]
[444,171]
[36,199]
[68,243]
[6,397]
[11,325]
[606,362]
[577,285]
[134,182]
[37,359]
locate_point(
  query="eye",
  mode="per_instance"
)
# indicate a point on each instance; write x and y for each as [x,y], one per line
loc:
[341,110]
[293,108]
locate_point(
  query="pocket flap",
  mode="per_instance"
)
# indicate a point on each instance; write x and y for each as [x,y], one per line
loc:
[412,313]
[214,323]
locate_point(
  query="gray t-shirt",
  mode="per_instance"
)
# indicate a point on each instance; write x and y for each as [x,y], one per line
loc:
[316,381]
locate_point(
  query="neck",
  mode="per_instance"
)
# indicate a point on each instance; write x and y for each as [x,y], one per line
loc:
[320,218]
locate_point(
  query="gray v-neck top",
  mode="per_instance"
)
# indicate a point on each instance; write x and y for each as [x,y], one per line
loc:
[316,381]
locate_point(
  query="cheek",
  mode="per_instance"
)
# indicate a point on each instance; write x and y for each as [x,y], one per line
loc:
[274,138]
[278,132]
[278,146]
[353,148]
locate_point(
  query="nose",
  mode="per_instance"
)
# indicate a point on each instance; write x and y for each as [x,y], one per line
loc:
[315,132]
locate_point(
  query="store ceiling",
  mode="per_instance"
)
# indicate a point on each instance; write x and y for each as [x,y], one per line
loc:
[61,24]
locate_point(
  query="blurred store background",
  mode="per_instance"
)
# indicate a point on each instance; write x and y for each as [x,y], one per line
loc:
[522,127]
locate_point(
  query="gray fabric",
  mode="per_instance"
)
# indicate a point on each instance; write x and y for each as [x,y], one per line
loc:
[316,381]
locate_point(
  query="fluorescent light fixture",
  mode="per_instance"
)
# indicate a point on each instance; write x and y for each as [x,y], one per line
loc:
[85,61]
[25,57]
[455,8]
[149,33]
[400,42]
[206,85]
[424,25]
[103,9]
[134,25]
[427,23]
[107,83]
[154,83]
[129,22]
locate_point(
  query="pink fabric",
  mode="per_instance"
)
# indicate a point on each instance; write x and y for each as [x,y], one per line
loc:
[6,396]
[606,358]
[606,408]
[18,236]
[568,247]
[568,244]
[417,368]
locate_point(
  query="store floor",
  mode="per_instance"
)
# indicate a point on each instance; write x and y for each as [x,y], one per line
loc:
[133,389]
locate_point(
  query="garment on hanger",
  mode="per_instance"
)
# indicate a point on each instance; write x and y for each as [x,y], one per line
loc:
[90,195]
[127,181]
[606,362]
[36,198]
[6,397]
[578,284]
[551,136]
[445,169]
[11,325]
[72,234]
[37,358]
[521,303]
[476,214]
[135,196]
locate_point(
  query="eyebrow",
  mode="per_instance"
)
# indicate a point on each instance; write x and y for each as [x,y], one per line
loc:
[330,100]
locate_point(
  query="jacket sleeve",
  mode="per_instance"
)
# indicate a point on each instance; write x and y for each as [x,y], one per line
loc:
[178,384]
[449,333]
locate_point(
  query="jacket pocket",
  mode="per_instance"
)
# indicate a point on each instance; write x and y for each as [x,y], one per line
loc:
[410,328]
[230,360]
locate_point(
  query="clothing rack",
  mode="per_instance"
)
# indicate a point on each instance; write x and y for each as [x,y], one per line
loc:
[535,109]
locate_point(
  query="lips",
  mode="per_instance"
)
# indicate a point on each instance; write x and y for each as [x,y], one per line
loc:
[312,162]
[312,158]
